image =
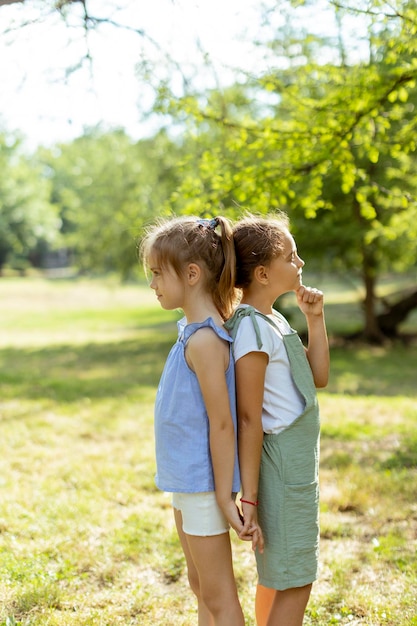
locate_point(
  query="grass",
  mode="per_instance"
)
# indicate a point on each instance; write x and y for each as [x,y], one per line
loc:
[87,539]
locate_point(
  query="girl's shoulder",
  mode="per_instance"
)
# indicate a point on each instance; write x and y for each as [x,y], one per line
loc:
[263,327]
[188,330]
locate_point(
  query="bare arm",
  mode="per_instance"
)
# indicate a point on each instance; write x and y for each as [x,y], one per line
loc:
[208,355]
[311,303]
[250,381]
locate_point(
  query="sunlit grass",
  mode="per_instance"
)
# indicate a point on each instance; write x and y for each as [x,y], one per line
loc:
[87,539]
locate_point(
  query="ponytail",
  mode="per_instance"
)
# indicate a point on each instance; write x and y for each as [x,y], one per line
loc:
[225,292]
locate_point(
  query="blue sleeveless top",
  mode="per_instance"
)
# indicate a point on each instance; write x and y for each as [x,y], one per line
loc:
[183,459]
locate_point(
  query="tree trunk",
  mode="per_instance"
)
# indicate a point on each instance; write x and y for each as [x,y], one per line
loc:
[389,321]
[372,331]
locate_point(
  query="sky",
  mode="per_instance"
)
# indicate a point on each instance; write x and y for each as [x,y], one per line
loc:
[39,99]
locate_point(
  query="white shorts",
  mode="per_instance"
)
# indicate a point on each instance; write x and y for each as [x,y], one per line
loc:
[201,515]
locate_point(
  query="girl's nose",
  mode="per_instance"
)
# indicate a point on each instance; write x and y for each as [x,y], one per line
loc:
[300,262]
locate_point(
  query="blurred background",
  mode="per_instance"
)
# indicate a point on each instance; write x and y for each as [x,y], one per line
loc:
[114,112]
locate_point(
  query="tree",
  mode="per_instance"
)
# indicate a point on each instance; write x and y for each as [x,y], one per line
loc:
[334,143]
[28,222]
[321,134]
[106,187]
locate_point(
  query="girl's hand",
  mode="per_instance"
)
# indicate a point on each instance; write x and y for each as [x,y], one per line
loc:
[233,516]
[310,300]
[251,530]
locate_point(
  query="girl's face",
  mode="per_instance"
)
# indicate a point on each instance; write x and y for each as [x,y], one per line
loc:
[285,271]
[168,286]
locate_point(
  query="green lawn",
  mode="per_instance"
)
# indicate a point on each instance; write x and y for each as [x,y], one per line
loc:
[85,537]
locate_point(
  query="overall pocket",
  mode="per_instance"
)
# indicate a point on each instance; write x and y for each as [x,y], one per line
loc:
[301,510]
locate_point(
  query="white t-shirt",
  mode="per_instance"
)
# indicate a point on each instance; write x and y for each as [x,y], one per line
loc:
[282,403]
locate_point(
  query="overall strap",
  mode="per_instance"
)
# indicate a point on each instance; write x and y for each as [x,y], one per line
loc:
[233,323]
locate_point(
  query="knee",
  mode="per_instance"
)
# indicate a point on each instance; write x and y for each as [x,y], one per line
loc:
[213,602]
[210,600]
[194,583]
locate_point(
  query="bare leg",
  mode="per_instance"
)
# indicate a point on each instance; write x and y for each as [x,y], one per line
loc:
[212,557]
[289,606]
[263,603]
[204,616]
[211,577]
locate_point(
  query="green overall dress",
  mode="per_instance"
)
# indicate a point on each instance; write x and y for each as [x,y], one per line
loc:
[288,490]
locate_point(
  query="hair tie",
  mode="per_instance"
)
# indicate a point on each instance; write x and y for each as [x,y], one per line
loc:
[209,223]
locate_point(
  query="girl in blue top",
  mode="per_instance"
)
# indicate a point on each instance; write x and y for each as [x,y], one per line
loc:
[192,262]
[279,426]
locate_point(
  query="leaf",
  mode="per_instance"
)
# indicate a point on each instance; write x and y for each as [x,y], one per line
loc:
[373,154]
[403,94]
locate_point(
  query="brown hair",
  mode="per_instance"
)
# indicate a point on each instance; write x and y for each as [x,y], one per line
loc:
[258,240]
[179,241]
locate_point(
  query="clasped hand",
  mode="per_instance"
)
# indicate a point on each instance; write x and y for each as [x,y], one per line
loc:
[245,523]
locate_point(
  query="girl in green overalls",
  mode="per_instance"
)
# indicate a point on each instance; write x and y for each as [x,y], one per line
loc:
[278,417]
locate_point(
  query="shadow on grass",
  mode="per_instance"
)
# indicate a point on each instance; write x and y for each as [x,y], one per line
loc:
[67,373]
[403,457]
[369,370]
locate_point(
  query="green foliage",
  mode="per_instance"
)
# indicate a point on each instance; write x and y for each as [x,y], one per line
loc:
[28,222]
[106,188]
[325,135]
[333,142]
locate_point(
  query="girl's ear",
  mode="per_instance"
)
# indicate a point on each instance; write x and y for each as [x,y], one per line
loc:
[260,274]
[193,273]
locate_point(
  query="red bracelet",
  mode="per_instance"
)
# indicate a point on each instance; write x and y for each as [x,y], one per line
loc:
[249,502]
